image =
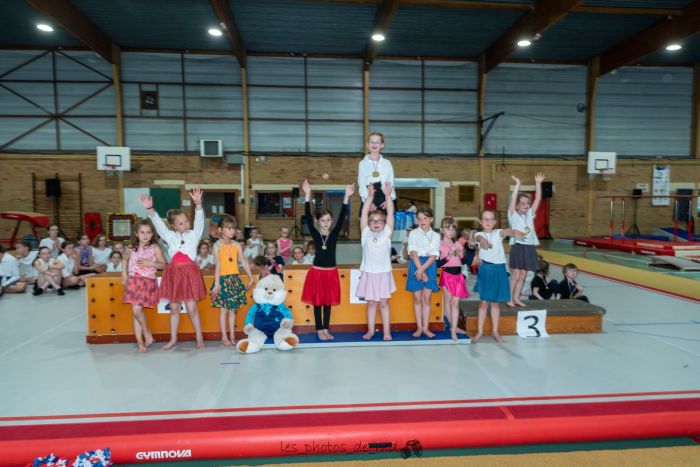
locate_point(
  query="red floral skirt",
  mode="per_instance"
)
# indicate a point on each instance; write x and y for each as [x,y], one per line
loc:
[141,291]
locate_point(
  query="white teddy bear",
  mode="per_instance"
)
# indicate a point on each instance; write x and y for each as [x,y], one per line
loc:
[268,317]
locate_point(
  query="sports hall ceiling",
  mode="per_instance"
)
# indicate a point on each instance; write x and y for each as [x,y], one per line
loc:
[619,31]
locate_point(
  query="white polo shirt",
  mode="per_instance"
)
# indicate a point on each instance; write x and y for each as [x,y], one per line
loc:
[424,243]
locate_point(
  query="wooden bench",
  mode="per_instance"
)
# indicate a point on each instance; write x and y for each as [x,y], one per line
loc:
[563,317]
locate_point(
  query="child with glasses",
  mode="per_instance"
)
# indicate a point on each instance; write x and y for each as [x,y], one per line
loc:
[377,280]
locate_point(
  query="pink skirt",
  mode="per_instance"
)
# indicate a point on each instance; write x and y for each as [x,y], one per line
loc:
[321,287]
[376,286]
[141,291]
[182,282]
[454,283]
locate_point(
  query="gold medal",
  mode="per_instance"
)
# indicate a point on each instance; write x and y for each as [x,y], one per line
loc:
[375,174]
[526,230]
[324,247]
[374,240]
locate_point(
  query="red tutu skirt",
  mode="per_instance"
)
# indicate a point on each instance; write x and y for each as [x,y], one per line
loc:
[141,291]
[181,282]
[321,287]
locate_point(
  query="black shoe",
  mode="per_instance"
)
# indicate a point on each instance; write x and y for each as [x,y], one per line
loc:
[38,291]
[74,287]
[60,292]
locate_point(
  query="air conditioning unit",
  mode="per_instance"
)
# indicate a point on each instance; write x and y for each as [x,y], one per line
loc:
[211,148]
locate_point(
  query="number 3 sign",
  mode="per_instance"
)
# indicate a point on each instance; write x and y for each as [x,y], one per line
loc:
[531,323]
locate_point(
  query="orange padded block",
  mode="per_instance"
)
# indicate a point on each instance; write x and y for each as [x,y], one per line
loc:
[109,320]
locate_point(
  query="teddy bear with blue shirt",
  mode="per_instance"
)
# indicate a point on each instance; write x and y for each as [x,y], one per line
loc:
[269,317]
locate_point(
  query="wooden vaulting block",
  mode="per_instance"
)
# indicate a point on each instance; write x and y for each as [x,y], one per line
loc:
[563,317]
[109,320]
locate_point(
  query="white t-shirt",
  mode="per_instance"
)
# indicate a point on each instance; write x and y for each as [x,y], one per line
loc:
[68,263]
[424,243]
[203,263]
[376,250]
[55,247]
[101,256]
[111,268]
[495,254]
[25,265]
[9,270]
[309,259]
[522,222]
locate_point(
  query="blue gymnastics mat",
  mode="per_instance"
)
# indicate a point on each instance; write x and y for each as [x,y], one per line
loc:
[354,339]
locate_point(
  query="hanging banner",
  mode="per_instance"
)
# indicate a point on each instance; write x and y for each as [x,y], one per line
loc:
[661,185]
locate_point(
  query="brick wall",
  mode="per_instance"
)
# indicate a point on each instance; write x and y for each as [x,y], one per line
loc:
[575,195]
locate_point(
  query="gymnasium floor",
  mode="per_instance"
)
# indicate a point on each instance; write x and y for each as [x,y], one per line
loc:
[650,349]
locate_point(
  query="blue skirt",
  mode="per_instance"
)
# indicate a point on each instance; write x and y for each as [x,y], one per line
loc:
[414,285]
[492,283]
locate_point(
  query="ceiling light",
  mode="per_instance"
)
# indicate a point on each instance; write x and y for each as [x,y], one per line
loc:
[524,43]
[44,27]
[673,47]
[215,32]
[378,37]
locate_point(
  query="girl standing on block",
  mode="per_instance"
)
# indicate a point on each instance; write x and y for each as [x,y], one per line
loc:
[492,278]
[375,169]
[452,280]
[182,281]
[523,253]
[377,280]
[322,284]
[143,258]
[423,248]
[227,291]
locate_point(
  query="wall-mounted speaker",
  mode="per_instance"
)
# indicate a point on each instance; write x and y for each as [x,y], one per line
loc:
[53,187]
[547,189]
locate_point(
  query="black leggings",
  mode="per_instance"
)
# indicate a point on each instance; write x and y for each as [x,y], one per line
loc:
[325,321]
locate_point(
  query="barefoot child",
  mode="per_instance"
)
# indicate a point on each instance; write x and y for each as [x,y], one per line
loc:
[523,253]
[492,279]
[182,281]
[139,265]
[227,291]
[322,284]
[377,280]
[452,280]
[423,248]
